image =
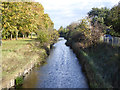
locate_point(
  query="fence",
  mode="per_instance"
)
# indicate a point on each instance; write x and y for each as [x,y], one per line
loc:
[111,40]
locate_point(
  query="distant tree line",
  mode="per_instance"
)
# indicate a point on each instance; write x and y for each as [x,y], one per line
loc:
[101,20]
[62,31]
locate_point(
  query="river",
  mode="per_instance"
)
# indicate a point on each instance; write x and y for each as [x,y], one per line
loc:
[61,71]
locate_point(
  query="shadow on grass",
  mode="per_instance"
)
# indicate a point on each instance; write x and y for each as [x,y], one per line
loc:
[100,63]
[29,40]
[106,59]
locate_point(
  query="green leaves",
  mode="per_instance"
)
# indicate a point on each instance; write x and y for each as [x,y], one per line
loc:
[98,15]
[107,17]
[43,36]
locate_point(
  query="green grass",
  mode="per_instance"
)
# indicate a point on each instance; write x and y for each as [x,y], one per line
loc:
[18,55]
[106,59]
[12,46]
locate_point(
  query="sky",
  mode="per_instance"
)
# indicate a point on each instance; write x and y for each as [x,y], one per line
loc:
[64,12]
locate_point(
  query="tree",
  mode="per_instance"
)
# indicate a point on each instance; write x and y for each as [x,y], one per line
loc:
[24,18]
[114,19]
[99,15]
[105,18]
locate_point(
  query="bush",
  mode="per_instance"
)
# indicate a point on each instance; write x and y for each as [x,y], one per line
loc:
[19,82]
[43,36]
[54,36]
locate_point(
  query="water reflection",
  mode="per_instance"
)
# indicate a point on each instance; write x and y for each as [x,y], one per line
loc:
[31,80]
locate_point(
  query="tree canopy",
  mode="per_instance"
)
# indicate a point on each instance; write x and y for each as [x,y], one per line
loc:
[24,18]
[108,18]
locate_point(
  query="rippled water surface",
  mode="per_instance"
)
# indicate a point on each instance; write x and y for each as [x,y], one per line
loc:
[61,71]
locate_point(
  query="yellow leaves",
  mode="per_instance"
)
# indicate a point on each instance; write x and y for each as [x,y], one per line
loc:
[26,17]
[6,25]
[20,28]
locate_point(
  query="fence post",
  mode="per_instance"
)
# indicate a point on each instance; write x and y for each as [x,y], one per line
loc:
[107,39]
[115,40]
[112,40]
[101,38]
[119,41]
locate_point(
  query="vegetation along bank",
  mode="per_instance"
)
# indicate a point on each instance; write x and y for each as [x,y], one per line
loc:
[100,61]
[27,36]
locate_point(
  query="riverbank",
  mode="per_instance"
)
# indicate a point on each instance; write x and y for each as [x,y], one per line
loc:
[19,57]
[100,64]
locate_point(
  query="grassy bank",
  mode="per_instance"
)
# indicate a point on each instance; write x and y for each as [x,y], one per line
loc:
[18,55]
[100,63]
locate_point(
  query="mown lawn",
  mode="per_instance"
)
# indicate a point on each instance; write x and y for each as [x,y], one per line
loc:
[18,55]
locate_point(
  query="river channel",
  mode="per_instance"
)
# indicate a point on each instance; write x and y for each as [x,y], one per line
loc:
[62,70]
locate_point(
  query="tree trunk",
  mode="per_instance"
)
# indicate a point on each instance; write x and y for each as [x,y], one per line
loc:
[17,35]
[31,34]
[11,37]
[23,36]
[27,35]
[0,41]
[0,38]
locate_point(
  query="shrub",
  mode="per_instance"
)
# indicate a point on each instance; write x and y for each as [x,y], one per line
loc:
[43,36]
[19,82]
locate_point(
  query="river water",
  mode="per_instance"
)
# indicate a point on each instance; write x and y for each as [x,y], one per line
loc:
[61,71]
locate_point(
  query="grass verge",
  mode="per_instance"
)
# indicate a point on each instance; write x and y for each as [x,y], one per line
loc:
[18,55]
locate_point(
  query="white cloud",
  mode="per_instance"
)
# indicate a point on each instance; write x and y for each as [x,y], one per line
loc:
[63,12]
